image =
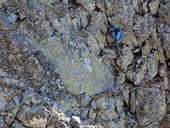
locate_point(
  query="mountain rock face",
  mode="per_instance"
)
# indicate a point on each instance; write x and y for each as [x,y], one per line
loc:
[60,67]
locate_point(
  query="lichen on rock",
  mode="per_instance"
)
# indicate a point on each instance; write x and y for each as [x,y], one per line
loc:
[61,67]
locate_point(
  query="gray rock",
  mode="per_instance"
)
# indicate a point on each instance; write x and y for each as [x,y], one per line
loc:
[84,19]
[33,117]
[133,101]
[164,11]
[126,94]
[141,28]
[75,121]
[139,61]
[65,1]
[85,100]
[2,1]
[92,114]
[152,66]
[12,18]
[113,124]
[107,109]
[130,75]
[2,122]
[70,106]
[84,114]
[108,114]
[99,103]
[120,78]
[3,101]
[150,105]
[166,38]
[16,124]
[93,44]
[146,48]
[136,50]
[145,6]
[153,125]
[168,97]
[99,4]
[126,59]
[51,66]
[98,22]
[88,4]
[148,71]
[101,39]
[109,53]
[54,122]
[153,6]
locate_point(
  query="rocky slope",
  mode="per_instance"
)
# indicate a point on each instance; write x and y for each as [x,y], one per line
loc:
[60,68]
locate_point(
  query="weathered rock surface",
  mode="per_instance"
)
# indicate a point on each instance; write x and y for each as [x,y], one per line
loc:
[60,67]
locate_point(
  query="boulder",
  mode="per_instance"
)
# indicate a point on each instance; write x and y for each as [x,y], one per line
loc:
[150,105]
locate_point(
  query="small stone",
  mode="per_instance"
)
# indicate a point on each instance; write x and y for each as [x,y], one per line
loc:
[146,48]
[126,95]
[153,6]
[88,4]
[166,43]
[9,118]
[93,45]
[98,22]
[65,1]
[92,114]
[99,103]
[169,64]
[126,59]
[75,121]
[34,101]
[100,39]
[2,122]
[84,114]
[109,39]
[3,101]
[168,98]
[133,102]
[162,71]
[85,100]
[108,114]
[17,125]
[12,18]
[165,82]
[84,20]
[145,8]
[152,68]
[16,101]
[136,50]
[139,61]
[110,56]
[120,79]
[130,75]
[109,53]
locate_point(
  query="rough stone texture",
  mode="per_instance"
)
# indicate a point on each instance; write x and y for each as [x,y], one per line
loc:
[60,68]
[150,108]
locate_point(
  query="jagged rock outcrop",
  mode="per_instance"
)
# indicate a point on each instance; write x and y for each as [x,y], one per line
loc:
[60,67]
